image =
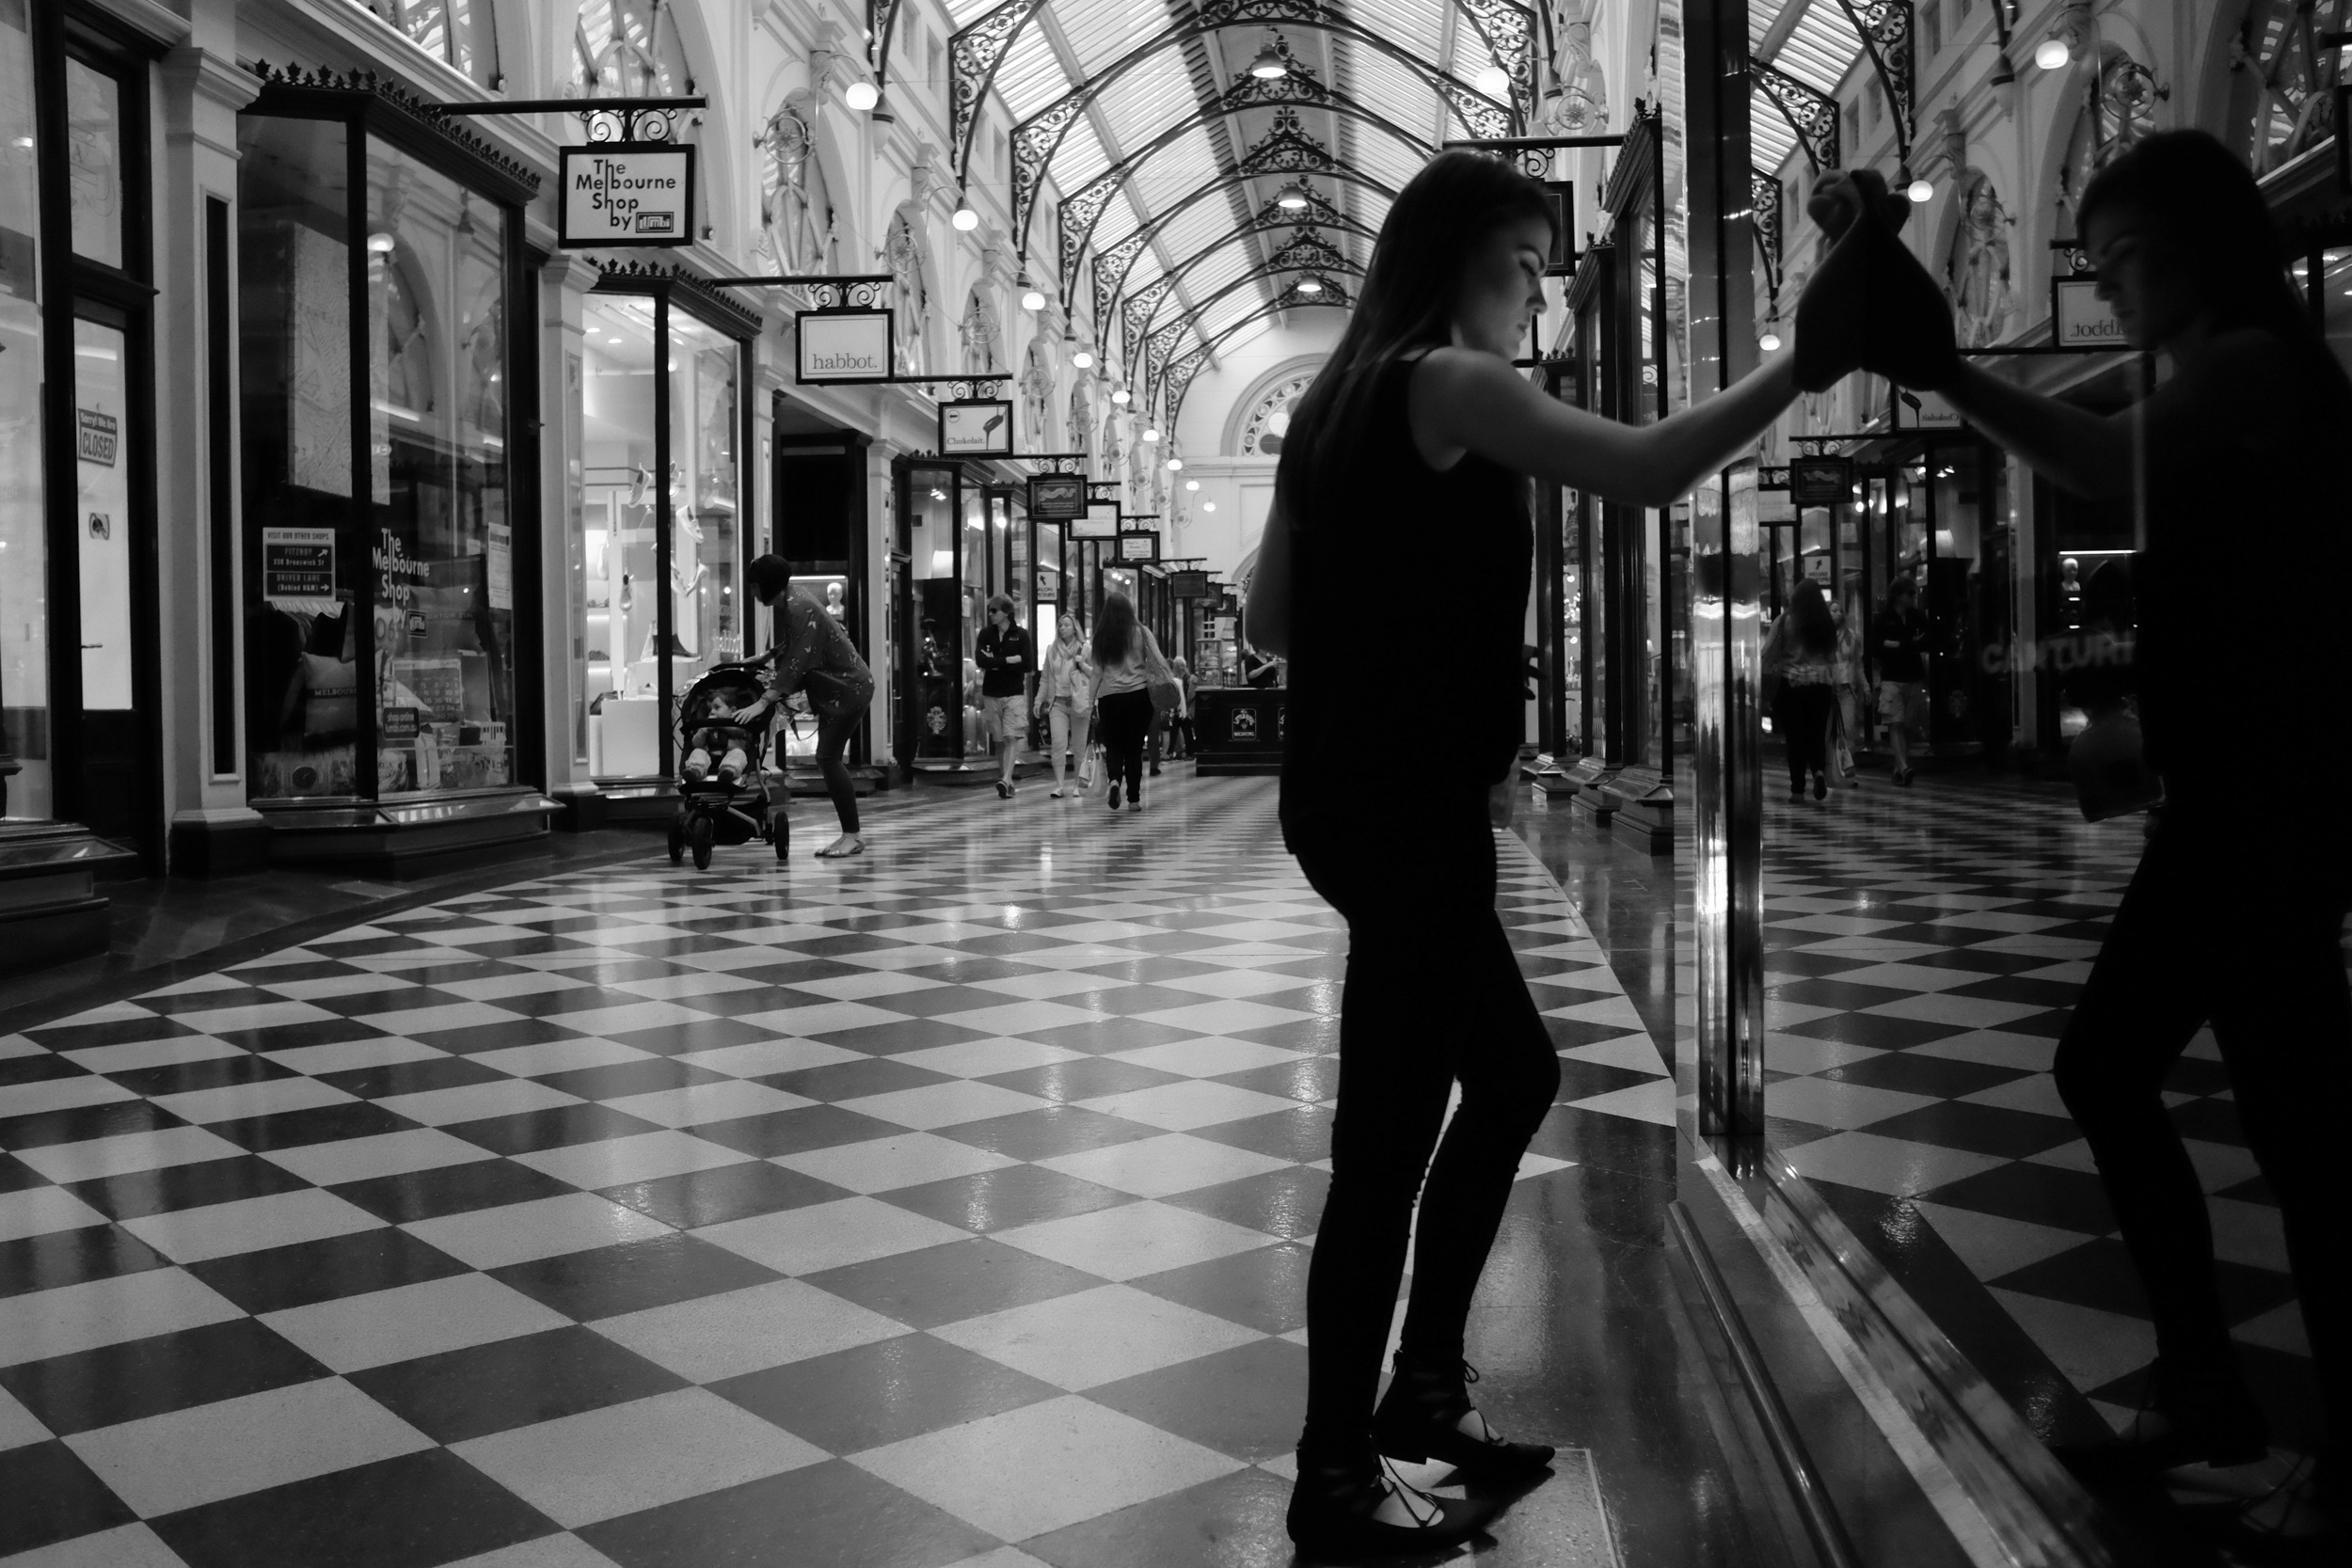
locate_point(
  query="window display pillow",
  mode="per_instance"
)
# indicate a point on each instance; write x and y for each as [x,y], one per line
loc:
[331,708]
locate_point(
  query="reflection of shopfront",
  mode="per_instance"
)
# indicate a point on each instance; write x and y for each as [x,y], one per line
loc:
[79,735]
[386,487]
[820,532]
[659,537]
[964,530]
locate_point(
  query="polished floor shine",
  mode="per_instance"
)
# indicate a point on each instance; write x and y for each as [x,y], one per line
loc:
[946,1206]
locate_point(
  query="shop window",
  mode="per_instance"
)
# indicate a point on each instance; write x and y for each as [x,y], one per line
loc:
[463,33]
[93,110]
[23,542]
[2335,283]
[380,574]
[643,631]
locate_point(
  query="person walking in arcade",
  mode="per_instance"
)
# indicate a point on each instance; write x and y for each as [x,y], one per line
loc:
[1801,657]
[1126,661]
[813,655]
[1418,435]
[1067,690]
[1007,661]
[2237,451]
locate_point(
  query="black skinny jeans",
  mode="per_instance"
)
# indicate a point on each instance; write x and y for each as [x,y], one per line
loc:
[832,736]
[1125,724]
[2217,929]
[1802,716]
[1433,995]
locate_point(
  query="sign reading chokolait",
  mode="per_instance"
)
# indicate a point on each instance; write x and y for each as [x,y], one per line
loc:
[844,346]
[626,194]
[976,427]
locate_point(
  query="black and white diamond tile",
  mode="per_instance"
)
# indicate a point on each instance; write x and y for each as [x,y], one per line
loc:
[643,1216]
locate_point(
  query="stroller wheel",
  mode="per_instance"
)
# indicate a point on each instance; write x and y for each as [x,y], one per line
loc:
[783,845]
[699,834]
[677,844]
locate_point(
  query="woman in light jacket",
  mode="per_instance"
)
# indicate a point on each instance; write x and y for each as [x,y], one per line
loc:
[1068,692]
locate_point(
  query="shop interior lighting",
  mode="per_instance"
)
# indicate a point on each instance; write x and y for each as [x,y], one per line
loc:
[1291,197]
[965,219]
[862,96]
[1493,80]
[1269,66]
[2052,54]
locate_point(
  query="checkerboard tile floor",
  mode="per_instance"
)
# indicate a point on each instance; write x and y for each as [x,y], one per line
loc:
[1923,952]
[945,1205]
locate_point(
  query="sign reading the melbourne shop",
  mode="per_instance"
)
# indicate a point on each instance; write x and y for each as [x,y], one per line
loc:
[626,194]
[1057,498]
[2080,319]
[978,427]
[1821,480]
[297,563]
[844,346]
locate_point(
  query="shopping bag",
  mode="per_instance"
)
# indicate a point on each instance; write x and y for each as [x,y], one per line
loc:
[1840,752]
[2108,762]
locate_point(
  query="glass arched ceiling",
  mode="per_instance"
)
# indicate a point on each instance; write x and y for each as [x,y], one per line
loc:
[1814,42]
[1144,119]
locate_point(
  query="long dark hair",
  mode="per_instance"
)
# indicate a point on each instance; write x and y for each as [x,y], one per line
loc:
[1810,627]
[1443,212]
[1114,629]
[2201,201]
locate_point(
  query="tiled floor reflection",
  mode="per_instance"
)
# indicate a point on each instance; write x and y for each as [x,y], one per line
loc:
[946,1206]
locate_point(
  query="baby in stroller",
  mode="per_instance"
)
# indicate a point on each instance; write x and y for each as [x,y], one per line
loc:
[723,791]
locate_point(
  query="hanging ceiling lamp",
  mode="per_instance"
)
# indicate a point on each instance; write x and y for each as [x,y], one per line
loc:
[1269,66]
[1493,80]
[1291,197]
[861,96]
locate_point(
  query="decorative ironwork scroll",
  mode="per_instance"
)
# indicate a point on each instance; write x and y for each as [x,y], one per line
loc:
[1109,282]
[1886,33]
[1509,29]
[1136,318]
[649,277]
[386,94]
[1764,216]
[1813,116]
[974,52]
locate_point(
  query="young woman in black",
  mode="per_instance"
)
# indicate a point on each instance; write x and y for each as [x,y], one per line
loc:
[1802,655]
[2237,457]
[1413,446]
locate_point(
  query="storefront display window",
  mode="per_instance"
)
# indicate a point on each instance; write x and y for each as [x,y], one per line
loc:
[23,542]
[94,160]
[380,574]
[647,620]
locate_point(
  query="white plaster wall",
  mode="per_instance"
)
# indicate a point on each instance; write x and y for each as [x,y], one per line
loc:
[1241,488]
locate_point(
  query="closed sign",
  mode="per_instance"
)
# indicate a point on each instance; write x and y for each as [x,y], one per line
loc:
[627,194]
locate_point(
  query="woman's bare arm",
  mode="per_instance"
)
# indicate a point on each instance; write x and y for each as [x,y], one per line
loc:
[2085,452]
[1462,399]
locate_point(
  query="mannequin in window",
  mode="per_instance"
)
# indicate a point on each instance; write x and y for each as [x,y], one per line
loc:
[833,605]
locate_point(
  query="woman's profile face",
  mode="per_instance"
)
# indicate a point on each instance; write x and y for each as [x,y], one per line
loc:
[2140,275]
[1503,288]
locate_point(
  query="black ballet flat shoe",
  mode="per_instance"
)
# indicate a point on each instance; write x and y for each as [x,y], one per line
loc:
[1420,1419]
[1821,788]
[1334,1506]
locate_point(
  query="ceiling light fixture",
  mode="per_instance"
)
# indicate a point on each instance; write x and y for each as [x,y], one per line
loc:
[1308,286]
[1921,191]
[1082,360]
[1192,484]
[1174,463]
[1120,396]
[2052,54]
[862,96]
[1208,506]
[1291,197]
[965,219]
[1769,342]
[1269,66]
[1031,299]
[1493,80]
[1151,436]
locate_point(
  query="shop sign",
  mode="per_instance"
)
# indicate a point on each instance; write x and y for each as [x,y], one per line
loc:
[626,194]
[1183,583]
[399,724]
[2080,319]
[99,436]
[1821,480]
[498,566]
[1138,546]
[838,346]
[1048,586]
[1562,262]
[1099,522]
[976,427]
[1935,412]
[1056,497]
[297,564]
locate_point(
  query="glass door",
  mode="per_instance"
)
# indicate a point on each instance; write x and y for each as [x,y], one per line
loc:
[113,758]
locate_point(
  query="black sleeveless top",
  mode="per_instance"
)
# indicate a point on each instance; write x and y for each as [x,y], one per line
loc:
[1410,609]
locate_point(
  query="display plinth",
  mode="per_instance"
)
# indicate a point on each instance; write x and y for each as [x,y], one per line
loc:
[1642,804]
[401,839]
[50,908]
[1239,729]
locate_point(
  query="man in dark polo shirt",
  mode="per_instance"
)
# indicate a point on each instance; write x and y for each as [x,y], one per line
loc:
[1007,660]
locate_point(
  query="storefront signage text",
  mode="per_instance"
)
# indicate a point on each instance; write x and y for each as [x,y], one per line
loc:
[2080,319]
[978,427]
[1138,546]
[1821,480]
[627,195]
[1099,522]
[100,432]
[1185,584]
[844,346]
[297,563]
[1057,498]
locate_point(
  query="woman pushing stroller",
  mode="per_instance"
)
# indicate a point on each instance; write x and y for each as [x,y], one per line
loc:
[813,655]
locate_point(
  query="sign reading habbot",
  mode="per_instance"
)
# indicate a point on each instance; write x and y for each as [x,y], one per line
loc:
[626,194]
